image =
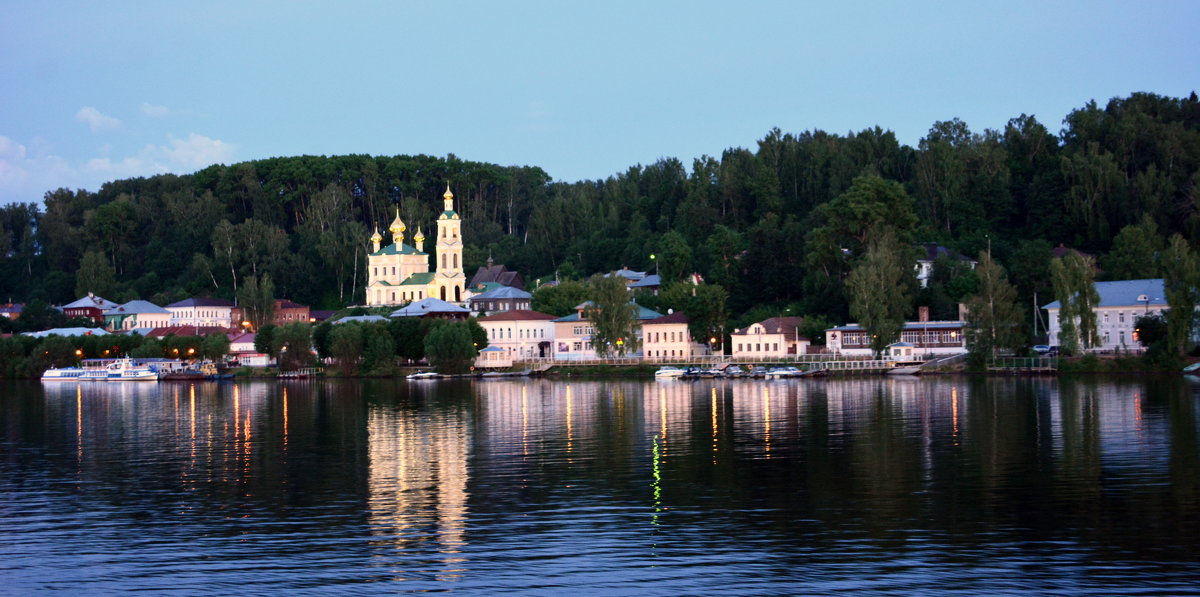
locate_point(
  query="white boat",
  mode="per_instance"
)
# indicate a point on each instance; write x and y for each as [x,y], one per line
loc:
[668,373]
[63,374]
[120,370]
[424,375]
[782,372]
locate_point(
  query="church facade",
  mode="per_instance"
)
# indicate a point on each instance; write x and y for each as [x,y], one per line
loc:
[398,274]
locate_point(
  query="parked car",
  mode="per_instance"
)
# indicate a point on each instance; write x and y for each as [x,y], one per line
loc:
[1041,348]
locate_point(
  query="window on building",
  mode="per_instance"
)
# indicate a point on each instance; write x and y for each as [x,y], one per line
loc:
[1121,316]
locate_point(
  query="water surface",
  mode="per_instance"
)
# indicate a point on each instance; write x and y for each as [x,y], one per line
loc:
[940,485]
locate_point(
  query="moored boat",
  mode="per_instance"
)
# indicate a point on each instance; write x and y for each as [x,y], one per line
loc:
[423,375]
[120,370]
[668,373]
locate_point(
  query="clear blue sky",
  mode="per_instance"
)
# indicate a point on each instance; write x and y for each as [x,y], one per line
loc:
[98,91]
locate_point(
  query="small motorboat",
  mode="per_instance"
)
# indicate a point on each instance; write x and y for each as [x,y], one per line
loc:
[423,376]
[668,373]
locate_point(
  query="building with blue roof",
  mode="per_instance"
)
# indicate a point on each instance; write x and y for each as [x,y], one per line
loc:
[137,314]
[1121,303]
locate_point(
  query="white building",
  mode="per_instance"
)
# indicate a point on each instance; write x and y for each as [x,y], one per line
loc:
[927,339]
[520,333]
[202,312]
[1121,303]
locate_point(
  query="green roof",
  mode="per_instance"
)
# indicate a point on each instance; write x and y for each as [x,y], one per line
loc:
[394,249]
[418,279]
[450,214]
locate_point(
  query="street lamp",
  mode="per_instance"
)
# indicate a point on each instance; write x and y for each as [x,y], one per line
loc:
[654,258]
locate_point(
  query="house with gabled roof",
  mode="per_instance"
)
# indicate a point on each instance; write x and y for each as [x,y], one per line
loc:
[502,298]
[773,338]
[497,274]
[91,307]
[930,253]
[520,333]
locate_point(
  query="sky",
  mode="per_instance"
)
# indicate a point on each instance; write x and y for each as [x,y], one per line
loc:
[97,91]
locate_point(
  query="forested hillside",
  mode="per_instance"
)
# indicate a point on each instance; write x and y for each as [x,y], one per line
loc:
[757,221]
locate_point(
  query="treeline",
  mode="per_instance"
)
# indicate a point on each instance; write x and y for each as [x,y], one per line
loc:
[757,222]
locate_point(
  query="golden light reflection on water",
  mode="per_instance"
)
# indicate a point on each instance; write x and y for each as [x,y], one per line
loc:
[714,423]
[285,419]
[525,420]
[570,426]
[954,412]
[767,419]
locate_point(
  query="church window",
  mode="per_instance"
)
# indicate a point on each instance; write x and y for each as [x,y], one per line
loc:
[393,297]
[443,261]
[456,261]
[457,291]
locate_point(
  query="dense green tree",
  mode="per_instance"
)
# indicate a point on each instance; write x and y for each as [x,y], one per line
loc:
[879,291]
[346,345]
[265,339]
[379,351]
[560,299]
[449,347]
[705,306]
[95,275]
[214,347]
[408,337]
[674,257]
[1135,252]
[1150,329]
[293,346]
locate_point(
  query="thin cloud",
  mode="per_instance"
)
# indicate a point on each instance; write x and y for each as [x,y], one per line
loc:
[26,174]
[154,111]
[96,120]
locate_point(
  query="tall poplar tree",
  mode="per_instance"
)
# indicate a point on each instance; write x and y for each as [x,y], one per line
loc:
[1073,277]
[1181,284]
[880,290]
[993,318]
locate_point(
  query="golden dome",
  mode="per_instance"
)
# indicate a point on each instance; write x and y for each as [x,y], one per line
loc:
[397,226]
[375,238]
[447,195]
[419,237]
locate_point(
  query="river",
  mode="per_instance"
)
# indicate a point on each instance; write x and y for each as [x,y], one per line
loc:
[867,485]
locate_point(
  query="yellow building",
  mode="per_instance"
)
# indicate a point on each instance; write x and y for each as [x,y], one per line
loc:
[399,274]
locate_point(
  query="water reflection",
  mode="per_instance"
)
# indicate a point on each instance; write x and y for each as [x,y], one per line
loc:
[740,486]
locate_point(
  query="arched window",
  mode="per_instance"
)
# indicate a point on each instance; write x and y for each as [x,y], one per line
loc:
[456,261]
[443,291]
[443,261]
[457,294]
